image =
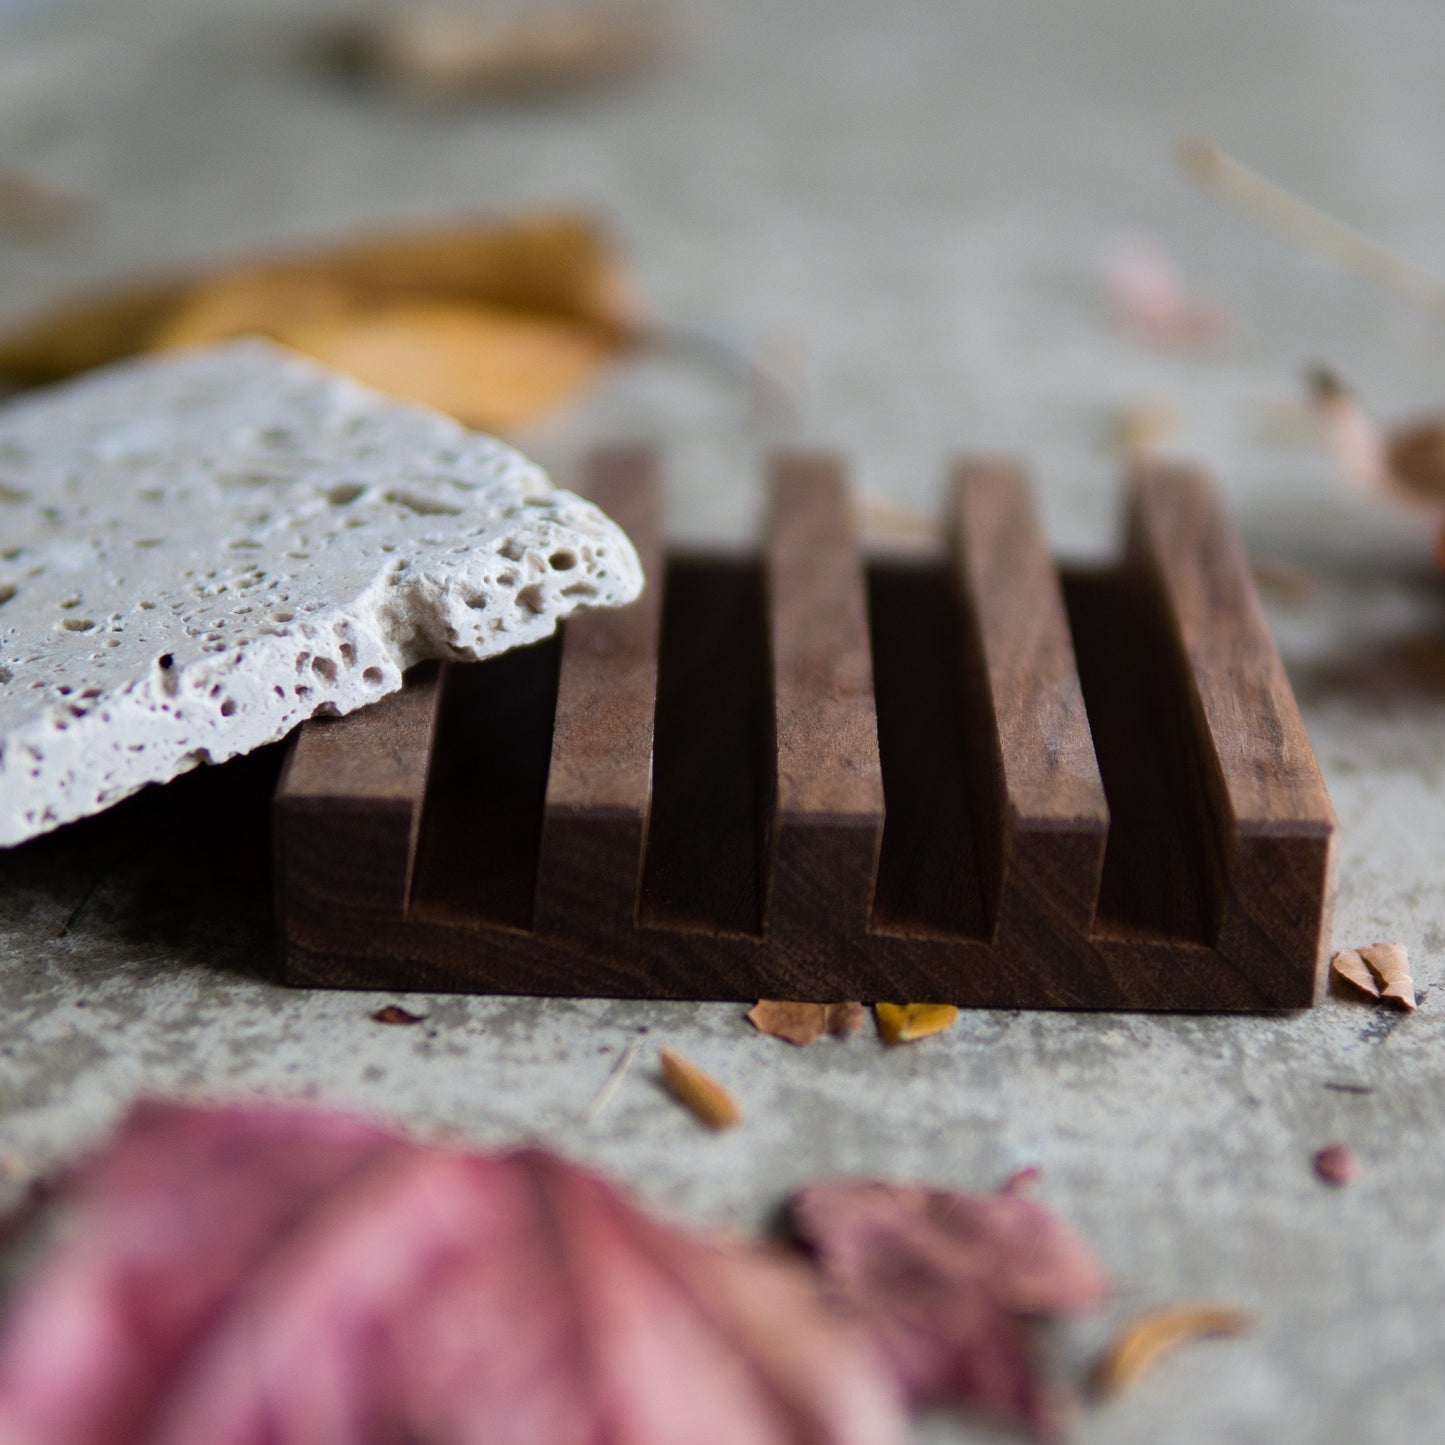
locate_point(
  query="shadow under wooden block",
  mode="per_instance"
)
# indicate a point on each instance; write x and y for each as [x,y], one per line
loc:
[804,775]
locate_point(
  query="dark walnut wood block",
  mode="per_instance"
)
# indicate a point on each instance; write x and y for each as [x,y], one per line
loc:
[808,776]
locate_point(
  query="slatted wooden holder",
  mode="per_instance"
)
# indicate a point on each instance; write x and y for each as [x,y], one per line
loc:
[805,777]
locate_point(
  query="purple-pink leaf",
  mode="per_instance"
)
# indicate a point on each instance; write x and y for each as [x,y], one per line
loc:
[259,1276]
[952,1286]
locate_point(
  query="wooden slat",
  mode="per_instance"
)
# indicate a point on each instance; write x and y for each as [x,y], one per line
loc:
[349,803]
[1274,826]
[1052,816]
[600,782]
[828,818]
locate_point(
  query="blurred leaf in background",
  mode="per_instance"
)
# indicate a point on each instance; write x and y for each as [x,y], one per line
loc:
[493,322]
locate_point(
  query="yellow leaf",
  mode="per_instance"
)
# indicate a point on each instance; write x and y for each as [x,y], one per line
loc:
[1144,1341]
[491,322]
[492,369]
[697,1092]
[902,1023]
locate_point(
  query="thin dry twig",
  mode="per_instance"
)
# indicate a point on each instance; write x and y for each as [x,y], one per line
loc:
[612,1082]
[1287,213]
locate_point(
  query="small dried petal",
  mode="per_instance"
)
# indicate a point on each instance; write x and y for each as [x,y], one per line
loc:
[698,1092]
[1336,1164]
[1391,968]
[903,1023]
[1022,1180]
[1144,1341]
[1148,296]
[1354,973]
[802,1023]
[395,1014]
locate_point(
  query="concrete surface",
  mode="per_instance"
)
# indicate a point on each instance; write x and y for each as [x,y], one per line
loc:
[912,199]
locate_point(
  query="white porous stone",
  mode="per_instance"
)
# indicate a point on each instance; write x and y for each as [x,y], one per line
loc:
[199,552]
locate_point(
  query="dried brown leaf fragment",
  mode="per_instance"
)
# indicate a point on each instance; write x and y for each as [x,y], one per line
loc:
[905,1023]
[1391,966]
[1404,465]
[803,1023]
[451,52]
[697,1092]
[1147,1339]
[1352,974]
[393,1013]
[1336,1164]
[1378,971]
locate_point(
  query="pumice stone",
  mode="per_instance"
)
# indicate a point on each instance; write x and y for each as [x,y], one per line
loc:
[197,552]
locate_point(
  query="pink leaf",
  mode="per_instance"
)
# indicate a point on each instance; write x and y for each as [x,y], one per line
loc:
[255,1276]
[951,1286]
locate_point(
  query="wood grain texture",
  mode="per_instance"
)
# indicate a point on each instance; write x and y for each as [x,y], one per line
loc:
[828,806]
[1050,818]
[1271,839]
[599,784]
[348,809]
[1092,793]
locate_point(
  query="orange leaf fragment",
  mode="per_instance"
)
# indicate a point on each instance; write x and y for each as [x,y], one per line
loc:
[1146,1340]
[904,1023]
[802,1023]
[698,1092]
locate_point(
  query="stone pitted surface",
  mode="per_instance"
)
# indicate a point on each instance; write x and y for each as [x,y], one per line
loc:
[197,553]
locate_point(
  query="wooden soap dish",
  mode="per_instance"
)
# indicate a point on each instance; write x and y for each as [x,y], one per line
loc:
[809,776]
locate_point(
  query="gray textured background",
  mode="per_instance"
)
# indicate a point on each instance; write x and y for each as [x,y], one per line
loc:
[913,199]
